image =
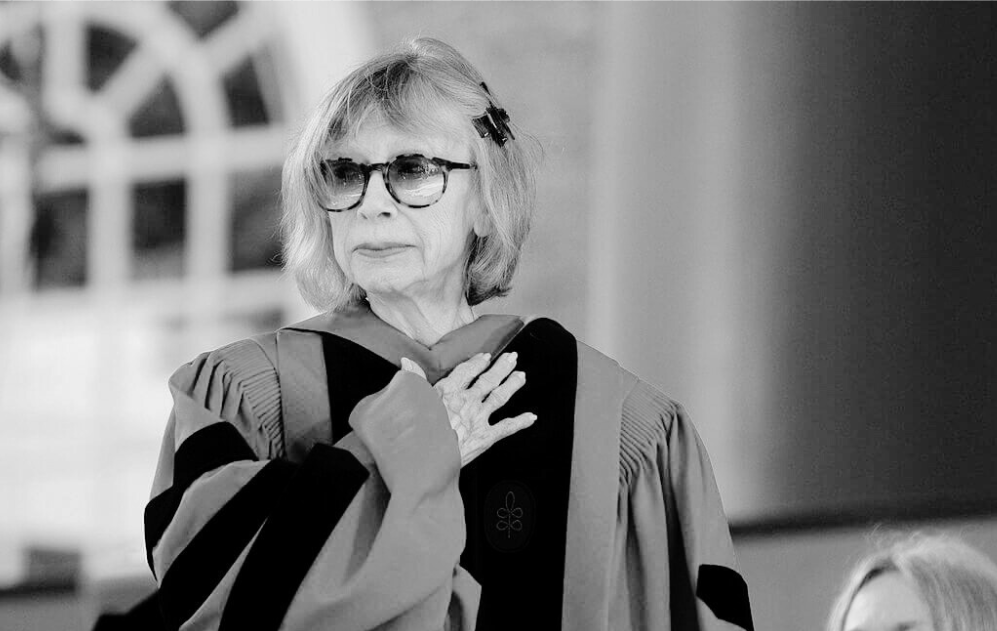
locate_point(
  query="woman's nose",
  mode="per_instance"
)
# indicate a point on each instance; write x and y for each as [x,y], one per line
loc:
[377,202]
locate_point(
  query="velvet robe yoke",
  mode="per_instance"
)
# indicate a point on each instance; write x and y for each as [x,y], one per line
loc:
[602,515]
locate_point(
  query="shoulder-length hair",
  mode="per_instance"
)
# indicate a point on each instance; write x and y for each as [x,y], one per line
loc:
[422,87]
[958,584]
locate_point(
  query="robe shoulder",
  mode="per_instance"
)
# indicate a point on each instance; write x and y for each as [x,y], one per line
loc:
[671,536]
[647,419]
[646,414]
[237,383]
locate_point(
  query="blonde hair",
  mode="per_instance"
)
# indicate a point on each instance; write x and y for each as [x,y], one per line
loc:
[423,86]
[958,583]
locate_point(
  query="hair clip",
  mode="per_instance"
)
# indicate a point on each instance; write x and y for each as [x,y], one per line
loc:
[494,123]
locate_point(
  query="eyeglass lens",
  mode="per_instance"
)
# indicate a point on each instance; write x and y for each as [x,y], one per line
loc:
[414,181]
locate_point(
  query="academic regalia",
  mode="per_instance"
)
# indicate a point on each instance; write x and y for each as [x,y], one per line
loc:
[268,512]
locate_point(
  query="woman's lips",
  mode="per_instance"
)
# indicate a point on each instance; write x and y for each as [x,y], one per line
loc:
[380,250]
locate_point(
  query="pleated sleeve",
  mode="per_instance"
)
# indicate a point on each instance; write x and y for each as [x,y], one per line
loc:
[240,537]
[673,560]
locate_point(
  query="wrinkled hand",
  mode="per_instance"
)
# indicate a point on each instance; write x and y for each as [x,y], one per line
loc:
[404,426]
[470,406]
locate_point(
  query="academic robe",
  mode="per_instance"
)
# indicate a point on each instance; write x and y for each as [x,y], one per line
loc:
[268,512]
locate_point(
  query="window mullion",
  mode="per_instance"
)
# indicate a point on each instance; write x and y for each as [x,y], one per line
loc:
[207,243]
[15,213]
[64,55]
[109,222]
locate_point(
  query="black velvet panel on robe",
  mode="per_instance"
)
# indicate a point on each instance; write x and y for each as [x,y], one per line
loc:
[515,494]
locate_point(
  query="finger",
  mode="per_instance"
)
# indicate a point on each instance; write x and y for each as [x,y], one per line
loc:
[495,375]
[501,395]
[478,443]
[464,373]
[509,426]
[411,366]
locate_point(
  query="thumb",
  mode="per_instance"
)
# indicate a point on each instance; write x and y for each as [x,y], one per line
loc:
[411,366]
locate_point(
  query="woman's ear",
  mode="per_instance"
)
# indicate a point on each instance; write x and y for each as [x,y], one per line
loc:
[482,223]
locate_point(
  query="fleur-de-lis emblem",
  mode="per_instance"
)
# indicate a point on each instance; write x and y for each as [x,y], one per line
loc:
[509,516]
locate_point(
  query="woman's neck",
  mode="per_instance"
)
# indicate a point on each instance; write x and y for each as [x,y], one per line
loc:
[424,322]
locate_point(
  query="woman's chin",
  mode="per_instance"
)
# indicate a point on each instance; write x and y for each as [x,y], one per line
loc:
[385,289]
[382,277]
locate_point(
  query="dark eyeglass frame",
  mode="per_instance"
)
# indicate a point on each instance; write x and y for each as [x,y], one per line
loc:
[445,165]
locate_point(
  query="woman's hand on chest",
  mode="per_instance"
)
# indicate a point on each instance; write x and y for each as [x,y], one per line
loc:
[471,394]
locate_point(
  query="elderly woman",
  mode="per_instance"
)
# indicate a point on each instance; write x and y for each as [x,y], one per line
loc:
[401,462]
[923,583]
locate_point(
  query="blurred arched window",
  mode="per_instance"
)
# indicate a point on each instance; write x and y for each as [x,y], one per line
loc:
[149,123]
[140,154]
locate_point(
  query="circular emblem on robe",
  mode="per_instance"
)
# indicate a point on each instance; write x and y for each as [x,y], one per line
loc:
[510,516]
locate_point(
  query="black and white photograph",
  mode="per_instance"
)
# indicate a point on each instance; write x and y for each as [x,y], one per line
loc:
[471,316]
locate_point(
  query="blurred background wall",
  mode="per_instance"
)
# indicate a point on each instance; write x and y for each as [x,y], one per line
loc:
[780,214]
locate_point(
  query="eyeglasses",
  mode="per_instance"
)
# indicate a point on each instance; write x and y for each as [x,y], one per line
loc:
[412,180]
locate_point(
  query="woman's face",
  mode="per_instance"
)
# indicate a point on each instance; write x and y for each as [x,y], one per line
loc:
[889,602]
[399,253]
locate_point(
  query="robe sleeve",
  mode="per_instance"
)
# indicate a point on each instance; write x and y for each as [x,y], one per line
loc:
[240,537]
[673,559]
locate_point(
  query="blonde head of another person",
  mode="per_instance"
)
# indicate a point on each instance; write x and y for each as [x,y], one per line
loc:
[922,583]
